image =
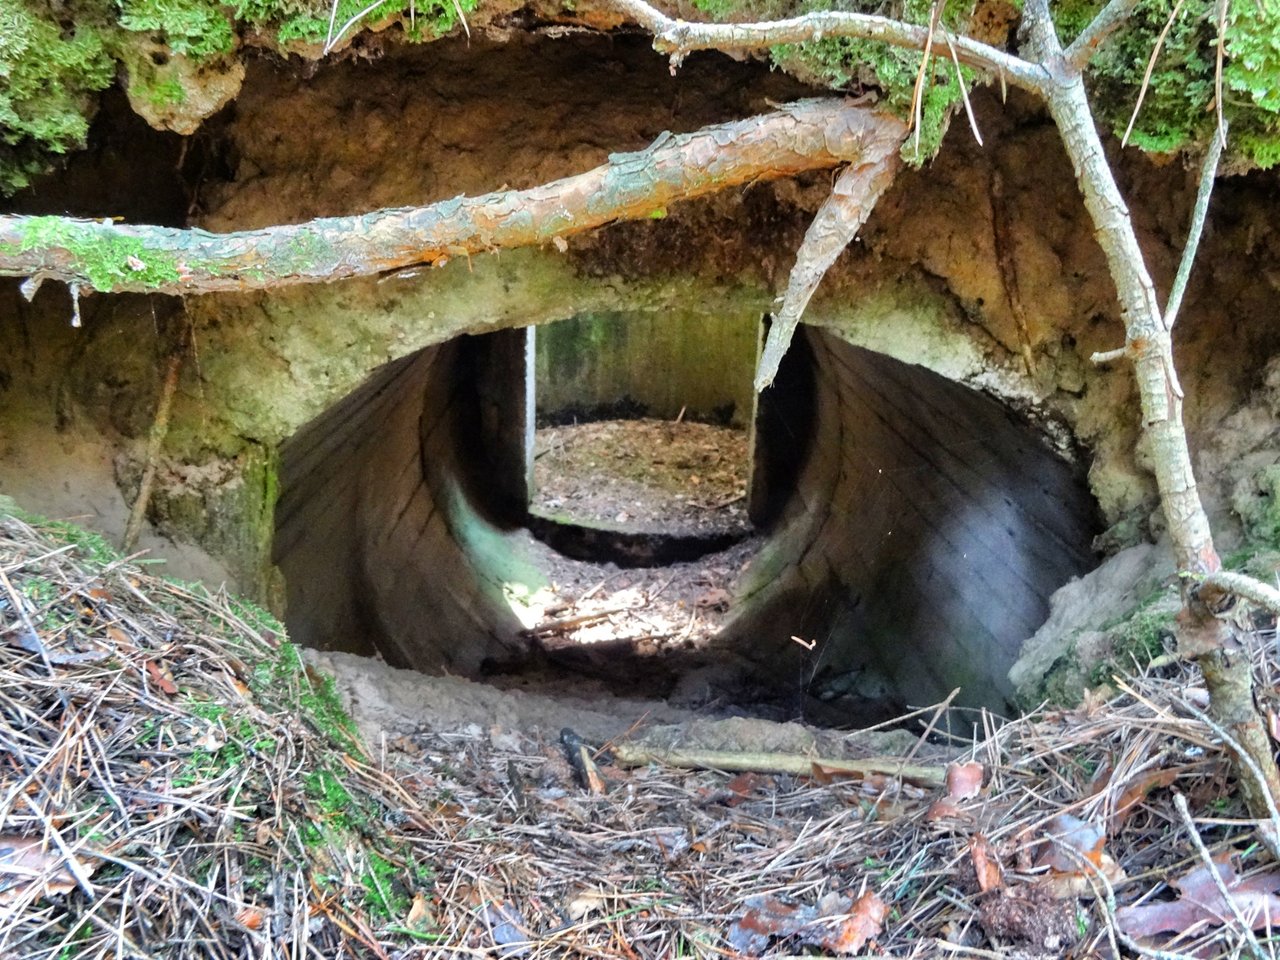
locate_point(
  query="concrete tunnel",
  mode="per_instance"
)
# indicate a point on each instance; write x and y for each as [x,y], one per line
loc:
[912,526]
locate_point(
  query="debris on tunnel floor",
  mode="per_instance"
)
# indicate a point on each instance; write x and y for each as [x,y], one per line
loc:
[179,784]
[650,611]
[675,477]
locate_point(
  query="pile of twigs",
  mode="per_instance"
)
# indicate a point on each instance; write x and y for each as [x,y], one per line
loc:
[174,784]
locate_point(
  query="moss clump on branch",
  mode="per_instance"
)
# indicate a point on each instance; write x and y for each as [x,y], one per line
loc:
[105,258]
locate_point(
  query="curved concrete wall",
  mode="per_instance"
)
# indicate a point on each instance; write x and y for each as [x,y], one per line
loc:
[918,544]
[377,530]
[915,528]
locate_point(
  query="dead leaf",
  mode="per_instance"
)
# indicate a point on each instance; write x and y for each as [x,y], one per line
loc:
[508,928]
[985,863]
[585,903]
[944,809]
[1074,850]
[26,867]
[162,678]
[250,917]
[211,740]
[1136,792]
[1201,904]
[964,780]
[769,918]
[26,640]
[744,785]
[420,916]
[866,922]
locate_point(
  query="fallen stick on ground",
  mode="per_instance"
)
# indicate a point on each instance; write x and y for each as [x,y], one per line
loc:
[638,754]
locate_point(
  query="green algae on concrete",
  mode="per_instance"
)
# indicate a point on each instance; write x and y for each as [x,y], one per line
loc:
[661,363]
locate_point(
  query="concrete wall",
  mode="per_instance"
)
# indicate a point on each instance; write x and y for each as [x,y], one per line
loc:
[651,364]
[915,528]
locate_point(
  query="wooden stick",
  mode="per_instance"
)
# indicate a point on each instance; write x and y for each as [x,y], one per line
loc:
[159,430]
[639,754]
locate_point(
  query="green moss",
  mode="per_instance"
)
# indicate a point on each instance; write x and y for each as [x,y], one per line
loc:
[49,73]
[105,257]
[845,63]
[1260,512]
[1072,16]
[1178,110]
[309,22]
[717,9]
[287,678]
[166,92]
[193,28]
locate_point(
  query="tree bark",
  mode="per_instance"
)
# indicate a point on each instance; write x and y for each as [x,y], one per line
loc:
[808,135]
[837,222]
[1149,344]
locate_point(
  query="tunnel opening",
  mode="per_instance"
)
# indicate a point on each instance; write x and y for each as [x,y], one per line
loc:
[642,435]
[907,534]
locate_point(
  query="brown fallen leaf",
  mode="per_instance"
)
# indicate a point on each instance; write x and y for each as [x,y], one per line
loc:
[944,809]
[985,863]
[768,918]
[865,922]
[26,867]
[162,678]
[1200,903]
[1136,792]
[420,916]
[964,780]
[744,785]
[585,903]
[1074,851]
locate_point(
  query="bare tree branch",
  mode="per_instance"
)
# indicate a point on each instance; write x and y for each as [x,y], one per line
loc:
[834,226]
[1241,585]
[679,37]
[808,135]
[1207,175]
[1149,344]
[1109,19]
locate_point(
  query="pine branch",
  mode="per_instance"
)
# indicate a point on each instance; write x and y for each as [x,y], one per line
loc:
[102,255]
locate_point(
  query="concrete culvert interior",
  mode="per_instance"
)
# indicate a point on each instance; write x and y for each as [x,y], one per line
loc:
[912,531]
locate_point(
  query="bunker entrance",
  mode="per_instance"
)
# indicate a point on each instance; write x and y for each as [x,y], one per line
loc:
[900,538]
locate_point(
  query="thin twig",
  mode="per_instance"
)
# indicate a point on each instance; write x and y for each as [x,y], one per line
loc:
[151,461]
[1199,212]
[1180,802]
